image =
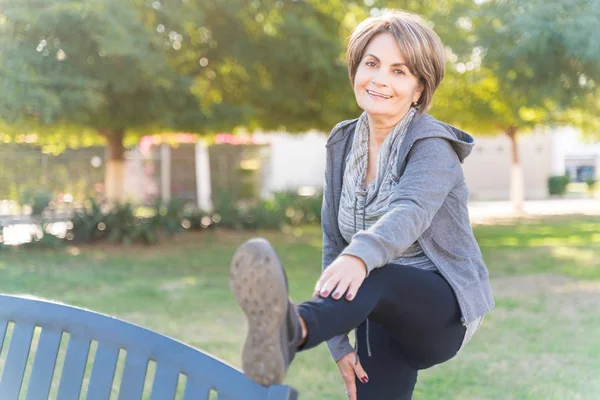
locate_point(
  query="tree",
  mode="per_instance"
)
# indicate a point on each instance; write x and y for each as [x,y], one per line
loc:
[72,71]
[72,68]
[517,65]
[280,62]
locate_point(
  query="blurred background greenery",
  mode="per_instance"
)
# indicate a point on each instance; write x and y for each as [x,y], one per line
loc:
[78,73]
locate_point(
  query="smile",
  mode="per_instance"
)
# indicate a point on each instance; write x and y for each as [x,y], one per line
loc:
[383,96]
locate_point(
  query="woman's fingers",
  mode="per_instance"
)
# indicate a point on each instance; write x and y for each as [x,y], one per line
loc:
[360,372]
[321,283]
[345,366]
[317,288]
[344,276]
[329,285]
[341,288]
[353,288]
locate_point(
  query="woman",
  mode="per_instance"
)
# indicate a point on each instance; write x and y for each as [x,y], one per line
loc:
[400,262]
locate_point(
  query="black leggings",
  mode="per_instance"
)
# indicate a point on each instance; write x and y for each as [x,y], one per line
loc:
[414,323]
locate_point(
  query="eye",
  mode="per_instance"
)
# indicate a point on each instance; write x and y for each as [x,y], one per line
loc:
[399,72]
[370,63]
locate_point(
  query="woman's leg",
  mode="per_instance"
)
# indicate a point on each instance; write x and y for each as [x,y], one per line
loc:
[391,376]
[417,307]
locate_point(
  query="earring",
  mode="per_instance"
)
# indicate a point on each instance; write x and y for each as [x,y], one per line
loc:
[414,104]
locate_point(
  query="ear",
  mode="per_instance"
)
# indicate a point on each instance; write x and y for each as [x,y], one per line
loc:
[418,92]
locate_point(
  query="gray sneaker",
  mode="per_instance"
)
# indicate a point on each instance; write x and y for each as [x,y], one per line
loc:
[259,285]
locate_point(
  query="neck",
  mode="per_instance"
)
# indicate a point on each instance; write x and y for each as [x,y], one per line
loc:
[381,126]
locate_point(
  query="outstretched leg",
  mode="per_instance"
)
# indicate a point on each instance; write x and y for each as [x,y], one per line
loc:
[416,306]
[259,285]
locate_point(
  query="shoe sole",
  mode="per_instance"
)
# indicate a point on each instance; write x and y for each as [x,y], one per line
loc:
[259,286]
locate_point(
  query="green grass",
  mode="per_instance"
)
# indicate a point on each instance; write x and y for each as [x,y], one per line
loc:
[538,343]
[562,245]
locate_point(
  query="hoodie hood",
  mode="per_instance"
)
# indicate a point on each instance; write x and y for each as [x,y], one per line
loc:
[426,126]
[421,127]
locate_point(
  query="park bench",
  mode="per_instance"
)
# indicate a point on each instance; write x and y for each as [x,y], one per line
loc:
[205,376]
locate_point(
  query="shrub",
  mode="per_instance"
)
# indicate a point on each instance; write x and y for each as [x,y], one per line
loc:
[121,224]
[37,199]
[227,212]
[285,208]
[168,219]
[557,185]
[196,219]
[89,225]
[591,183]
[263,215]
[126,224]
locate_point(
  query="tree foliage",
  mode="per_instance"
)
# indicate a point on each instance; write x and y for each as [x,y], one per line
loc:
[87,66]
[526,63]
[74,71]
[70,69]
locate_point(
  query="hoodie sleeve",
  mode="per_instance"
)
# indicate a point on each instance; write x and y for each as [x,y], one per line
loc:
[432,170]
[338,346]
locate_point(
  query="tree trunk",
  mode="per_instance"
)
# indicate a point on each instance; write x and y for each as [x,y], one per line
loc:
[517,182]
[114,175]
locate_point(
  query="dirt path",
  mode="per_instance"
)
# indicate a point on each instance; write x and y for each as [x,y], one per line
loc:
[484,211]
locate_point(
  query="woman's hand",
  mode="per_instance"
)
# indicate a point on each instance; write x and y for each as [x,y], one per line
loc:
[344,275]
[349,367]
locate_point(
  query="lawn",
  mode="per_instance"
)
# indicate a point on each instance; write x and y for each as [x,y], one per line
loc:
[540,342]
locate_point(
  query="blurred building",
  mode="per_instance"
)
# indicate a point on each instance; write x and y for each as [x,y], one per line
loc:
[487,169]
[576,158]
[275,162]
[299,160]
[294,161]
[186,167]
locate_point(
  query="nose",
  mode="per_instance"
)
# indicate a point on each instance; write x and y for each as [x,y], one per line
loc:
[379,78]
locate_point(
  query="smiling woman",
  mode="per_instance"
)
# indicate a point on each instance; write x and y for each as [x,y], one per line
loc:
[403,48]
[400,263]
[384,85]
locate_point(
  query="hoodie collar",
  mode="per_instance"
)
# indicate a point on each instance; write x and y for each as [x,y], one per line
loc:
[421,127]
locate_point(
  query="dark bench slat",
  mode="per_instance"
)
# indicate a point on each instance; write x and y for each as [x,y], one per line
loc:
[44,365]
[73,369]
[134,375]
[103,372]
[16,360]
[165,382]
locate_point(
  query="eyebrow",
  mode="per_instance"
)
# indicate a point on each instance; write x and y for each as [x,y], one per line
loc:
[393,65]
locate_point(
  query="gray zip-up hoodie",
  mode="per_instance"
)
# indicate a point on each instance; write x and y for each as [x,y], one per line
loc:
[429,204]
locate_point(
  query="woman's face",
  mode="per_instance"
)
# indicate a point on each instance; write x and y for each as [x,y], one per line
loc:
[384,86]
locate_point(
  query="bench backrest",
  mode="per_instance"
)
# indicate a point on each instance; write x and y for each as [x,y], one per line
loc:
[203,374]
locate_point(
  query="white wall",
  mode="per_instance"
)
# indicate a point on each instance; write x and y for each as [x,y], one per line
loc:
[487,169]
[569,145]
[299,160]
[295,160]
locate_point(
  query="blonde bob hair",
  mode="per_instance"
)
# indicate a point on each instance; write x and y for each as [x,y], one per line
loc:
[420,46]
